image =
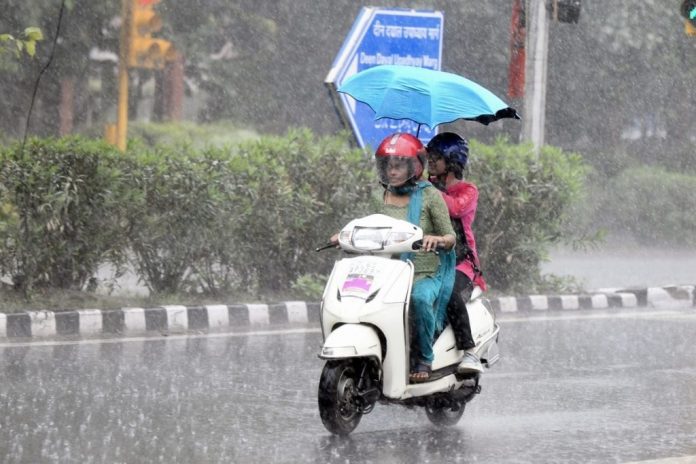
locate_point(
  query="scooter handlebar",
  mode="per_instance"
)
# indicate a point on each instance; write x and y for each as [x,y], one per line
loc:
[418,244]
[326,247]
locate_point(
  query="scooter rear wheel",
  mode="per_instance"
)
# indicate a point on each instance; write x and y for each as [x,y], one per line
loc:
[338,397]
[444,416]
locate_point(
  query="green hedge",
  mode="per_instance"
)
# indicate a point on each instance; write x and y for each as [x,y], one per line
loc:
[650,204]
[245,219]
[60,209]
[523,203]
[214,220]
[179,200]
[301,189]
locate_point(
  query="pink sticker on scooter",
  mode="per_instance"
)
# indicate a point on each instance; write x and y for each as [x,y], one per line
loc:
[357,283]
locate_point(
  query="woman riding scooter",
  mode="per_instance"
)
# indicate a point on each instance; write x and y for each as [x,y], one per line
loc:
[447,157]
[400,160]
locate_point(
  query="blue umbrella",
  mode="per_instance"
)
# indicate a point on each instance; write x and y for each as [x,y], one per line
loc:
[424,96]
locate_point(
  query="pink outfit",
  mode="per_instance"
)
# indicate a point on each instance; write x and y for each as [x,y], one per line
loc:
[462,199]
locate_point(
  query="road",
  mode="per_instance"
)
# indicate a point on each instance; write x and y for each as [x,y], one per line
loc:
[574,386]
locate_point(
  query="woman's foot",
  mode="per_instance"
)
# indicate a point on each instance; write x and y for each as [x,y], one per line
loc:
[421,373]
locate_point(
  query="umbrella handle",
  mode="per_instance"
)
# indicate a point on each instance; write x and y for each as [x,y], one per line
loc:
[418,131]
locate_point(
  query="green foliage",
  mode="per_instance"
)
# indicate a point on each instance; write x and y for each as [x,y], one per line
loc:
[244,219]
[300,190]
[179,209]
[550,284]
[84,27]
[59,211]
[651,204]
[25,43]
[523,202]
[232,53]
[310,286]
[197,136]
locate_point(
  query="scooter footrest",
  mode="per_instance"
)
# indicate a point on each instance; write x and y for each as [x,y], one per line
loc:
[440,373]
[466,376]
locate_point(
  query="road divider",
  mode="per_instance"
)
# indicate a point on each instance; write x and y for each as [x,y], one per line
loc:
[174,319]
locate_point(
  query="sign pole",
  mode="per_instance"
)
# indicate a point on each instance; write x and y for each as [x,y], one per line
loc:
[535,91]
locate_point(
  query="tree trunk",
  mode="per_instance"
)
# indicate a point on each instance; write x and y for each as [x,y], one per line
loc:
[159,103]
[175,89]
[67,105]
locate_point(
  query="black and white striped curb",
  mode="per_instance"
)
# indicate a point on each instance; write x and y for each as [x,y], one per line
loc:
[602,299]
[164,319]
[180,319]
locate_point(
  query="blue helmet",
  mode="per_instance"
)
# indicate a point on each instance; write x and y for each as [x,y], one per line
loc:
[453,148]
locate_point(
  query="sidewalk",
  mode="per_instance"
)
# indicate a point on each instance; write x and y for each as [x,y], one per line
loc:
[181,319]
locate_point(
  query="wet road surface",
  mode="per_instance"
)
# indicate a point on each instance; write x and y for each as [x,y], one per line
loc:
[582,386]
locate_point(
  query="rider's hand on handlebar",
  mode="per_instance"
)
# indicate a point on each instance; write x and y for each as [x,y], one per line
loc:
[437,243]
[334,240]
[431,242]
[333,243]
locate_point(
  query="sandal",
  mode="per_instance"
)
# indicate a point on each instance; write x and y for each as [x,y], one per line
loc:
[421,373]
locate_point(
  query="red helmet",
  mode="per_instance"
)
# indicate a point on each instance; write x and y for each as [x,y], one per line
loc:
[400,147]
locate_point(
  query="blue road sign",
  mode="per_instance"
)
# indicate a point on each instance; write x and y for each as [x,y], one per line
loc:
[384,36]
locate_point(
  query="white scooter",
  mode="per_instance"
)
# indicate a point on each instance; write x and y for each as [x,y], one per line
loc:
[365,325]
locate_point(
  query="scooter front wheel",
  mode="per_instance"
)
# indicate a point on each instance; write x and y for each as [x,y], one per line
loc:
[338,397]
[444,416]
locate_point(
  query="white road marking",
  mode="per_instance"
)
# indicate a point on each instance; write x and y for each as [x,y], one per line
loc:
[169,337]
[603,315]
[680,460]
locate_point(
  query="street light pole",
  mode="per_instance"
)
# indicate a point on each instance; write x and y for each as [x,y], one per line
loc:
[535,68]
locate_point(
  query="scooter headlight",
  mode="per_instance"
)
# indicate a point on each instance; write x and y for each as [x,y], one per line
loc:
[398,237]
[370,238]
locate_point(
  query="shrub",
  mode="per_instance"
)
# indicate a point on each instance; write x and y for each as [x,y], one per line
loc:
[179,203]
[247,218]
[523,202]
[243,219]
[653,205]
[300,190]
[60,204]
[310,286]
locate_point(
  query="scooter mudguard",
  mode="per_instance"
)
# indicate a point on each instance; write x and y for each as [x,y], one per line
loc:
[352,341]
